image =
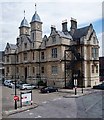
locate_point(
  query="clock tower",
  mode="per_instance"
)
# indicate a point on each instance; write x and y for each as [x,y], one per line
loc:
[24,27]
[36,30]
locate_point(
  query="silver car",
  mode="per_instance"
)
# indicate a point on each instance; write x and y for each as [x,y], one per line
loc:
[27,86]
[9,83]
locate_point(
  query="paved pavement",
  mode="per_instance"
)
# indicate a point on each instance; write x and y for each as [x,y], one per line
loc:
[71,92]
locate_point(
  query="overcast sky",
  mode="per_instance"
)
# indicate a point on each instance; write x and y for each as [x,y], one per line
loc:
[51,12]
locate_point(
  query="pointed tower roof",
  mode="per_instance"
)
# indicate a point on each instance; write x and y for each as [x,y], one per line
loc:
[36,16]
[24,22]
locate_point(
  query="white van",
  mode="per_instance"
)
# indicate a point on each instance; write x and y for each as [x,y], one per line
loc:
[8,83]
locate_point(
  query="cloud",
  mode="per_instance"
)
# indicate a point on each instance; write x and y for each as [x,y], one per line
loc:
[50,12]
[101,43]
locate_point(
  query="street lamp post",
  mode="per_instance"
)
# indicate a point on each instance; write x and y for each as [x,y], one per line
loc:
[15,83]
[82,83]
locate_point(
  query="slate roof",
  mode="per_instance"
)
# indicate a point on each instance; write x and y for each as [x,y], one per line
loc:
[36,18]
[24,23]
[64,35]
[80,33]
[13,46]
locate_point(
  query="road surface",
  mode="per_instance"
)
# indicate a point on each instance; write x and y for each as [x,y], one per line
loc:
[87,106]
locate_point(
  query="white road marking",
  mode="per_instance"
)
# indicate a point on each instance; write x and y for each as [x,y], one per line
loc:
[30,113]
[93,105]
[38,116]
[44,102]
[27,110]
[56,99]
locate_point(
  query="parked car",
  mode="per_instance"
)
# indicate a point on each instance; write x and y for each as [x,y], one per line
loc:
[27,86]
[9,83]
[35,86]
[48,89]
[100,86]
[19,84]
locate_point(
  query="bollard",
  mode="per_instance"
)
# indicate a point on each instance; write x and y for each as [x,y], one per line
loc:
[75,90]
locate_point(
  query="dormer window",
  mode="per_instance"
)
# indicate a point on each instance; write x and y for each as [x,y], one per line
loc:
[53,39]
[94,40]
[25,45]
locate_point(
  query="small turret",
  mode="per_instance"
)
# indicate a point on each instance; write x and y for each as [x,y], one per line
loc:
[24,26]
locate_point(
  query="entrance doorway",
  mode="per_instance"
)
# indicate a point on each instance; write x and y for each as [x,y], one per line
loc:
[25,74]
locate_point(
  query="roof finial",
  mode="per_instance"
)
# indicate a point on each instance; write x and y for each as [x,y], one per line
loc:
[35,8]
[24,13]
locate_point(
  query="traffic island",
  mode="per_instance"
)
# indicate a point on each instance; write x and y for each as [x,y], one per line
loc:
[71,93]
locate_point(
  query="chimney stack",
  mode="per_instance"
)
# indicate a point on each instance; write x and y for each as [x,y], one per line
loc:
[64,26]
[73,25]
[53,28]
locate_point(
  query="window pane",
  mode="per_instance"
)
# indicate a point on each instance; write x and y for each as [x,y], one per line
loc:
[54,70]
[97,69]
[42,69]
[25,56]
[92,68]
[42,55]
[95,53]
[33,69]
[54,52]
[33,55]
[25,44]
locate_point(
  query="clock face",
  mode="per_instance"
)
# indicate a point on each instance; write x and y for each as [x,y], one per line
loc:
[26,31]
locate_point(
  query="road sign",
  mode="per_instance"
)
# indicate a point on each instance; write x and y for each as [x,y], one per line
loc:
[16,97]
[25,98]
[75,82]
